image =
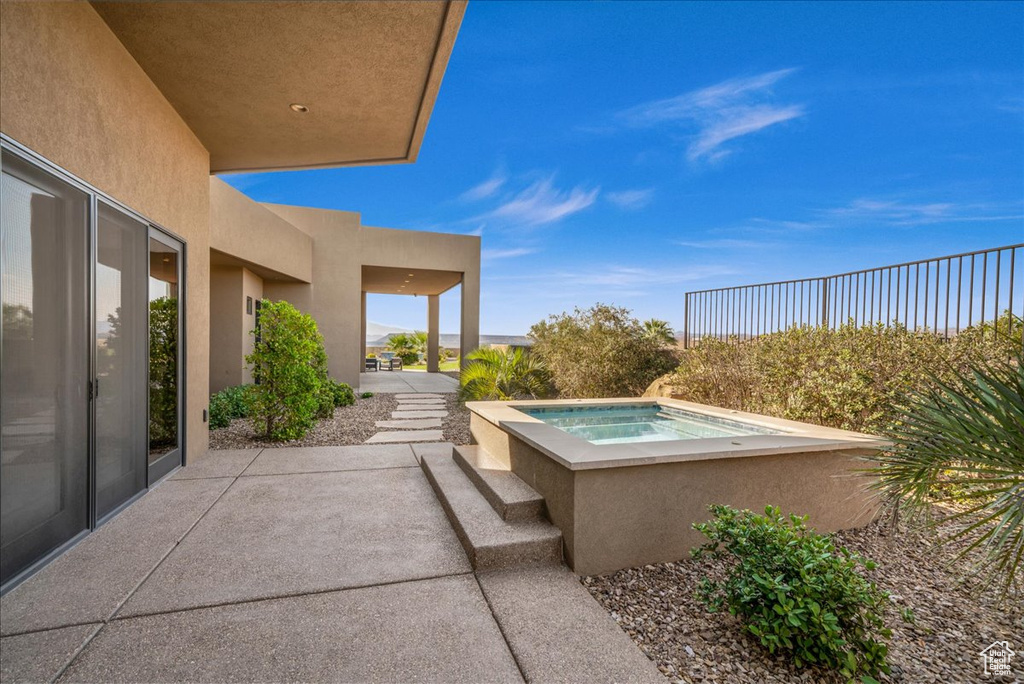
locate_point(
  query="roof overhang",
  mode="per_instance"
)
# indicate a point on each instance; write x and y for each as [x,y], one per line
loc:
[408,281]
[368,73]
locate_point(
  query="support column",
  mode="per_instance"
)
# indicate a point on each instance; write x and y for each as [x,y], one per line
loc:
[362,334]
[433,334]
[469,334]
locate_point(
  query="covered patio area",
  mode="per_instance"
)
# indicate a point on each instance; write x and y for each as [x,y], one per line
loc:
[397,382]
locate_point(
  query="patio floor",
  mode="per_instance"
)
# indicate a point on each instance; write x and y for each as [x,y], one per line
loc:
[406,381]
[301,564]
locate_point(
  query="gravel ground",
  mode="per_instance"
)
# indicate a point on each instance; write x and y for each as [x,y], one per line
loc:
[656,606]
[351,425]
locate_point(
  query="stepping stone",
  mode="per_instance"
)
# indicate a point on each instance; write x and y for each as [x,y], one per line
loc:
[402,415]
[419,395]
[406,436]
[421,401]
[415,424]
[421,407]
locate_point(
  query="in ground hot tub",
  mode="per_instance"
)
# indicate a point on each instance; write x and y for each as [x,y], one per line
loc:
[625,479]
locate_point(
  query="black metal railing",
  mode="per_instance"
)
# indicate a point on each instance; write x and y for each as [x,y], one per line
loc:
[942,295]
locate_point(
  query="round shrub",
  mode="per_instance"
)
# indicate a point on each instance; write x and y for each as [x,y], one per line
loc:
[289,364]
[796,592]
[227,405]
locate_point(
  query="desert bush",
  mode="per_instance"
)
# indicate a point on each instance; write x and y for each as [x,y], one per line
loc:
[599,352]
[497,375]
[290,365]
[335,394]
[795,591]
[852,377]
[227,405]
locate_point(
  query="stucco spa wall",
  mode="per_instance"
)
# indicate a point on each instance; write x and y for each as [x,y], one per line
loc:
[614,518]
[71,92]
[342,246]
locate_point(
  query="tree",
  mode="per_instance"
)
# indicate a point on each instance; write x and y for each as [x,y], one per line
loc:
[599,352]
[408,346]
[289,364]
[495,375]
[660,331]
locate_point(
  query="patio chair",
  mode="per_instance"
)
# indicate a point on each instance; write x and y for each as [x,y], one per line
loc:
[371,363]
[396,363]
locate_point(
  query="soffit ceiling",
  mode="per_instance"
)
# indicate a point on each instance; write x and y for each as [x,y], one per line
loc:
[369,73]
[408,281]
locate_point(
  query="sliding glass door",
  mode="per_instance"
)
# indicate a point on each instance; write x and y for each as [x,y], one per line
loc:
[44,364]
[121,332]
[164,354]
[91,365]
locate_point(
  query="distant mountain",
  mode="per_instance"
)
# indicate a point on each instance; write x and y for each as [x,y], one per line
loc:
[375,330]
[451,341]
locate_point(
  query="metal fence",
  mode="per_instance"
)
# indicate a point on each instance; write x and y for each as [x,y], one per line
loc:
[941,295]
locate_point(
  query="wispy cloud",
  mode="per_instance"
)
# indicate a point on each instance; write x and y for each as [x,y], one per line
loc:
[492,254]
[902,213]
[488,188]
[722,112]
[723,243]
[621,280]
[542,203]
[631,199]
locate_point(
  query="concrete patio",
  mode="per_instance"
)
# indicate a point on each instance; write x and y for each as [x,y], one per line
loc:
[302,564]
[397,382]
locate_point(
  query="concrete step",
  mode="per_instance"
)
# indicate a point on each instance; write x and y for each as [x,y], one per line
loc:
[490,542]
[510,497]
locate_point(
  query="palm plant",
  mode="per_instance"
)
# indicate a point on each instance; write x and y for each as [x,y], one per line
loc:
[659,331]
[962,441]
[496,375]
[408,346]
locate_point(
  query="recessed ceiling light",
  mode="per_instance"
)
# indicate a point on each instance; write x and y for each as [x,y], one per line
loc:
[300,108]
[410,275]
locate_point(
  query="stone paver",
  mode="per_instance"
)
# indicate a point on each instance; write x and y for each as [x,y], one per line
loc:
[406,436]
[419,395]
[436,630]
[320,459]
[403,415]
[218,463]
[420,424]
[88,582]
[421,402]
[282,535]
[39,656]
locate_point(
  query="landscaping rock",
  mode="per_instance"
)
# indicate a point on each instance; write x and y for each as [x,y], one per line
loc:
[657,607]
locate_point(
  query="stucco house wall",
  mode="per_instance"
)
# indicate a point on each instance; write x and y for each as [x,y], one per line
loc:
[72,93]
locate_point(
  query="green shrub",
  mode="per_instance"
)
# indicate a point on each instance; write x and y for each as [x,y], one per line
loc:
[599,352]
[333,395]
[852,378]
[796,592]
[408,346]
[503,375]
[163,371]
[366,395]
[290,365]
[227,405]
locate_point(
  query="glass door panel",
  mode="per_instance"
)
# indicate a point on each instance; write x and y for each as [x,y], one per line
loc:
[121,330]
[164,354]
[44,371]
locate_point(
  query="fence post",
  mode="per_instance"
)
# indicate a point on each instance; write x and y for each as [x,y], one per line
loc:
[823,321]
[686,321]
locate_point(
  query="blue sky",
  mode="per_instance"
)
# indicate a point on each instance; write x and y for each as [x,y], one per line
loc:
[627,152]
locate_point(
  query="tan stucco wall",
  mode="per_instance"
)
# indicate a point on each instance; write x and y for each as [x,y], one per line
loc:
[230,325]
[71,92]
[247,230]
[342,246]
[252,287]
